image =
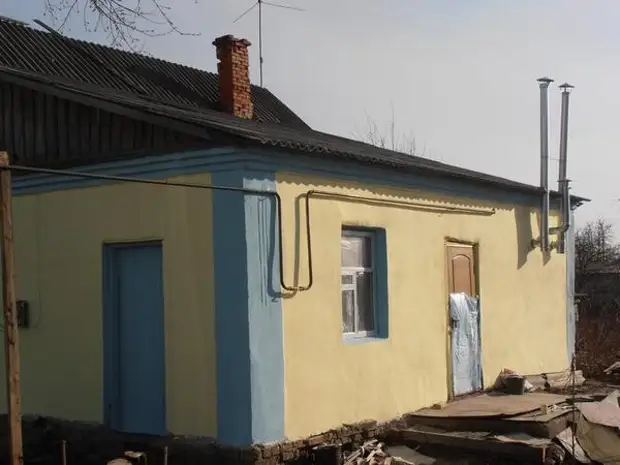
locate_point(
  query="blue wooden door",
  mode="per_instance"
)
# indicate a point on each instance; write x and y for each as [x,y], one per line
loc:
[134,345]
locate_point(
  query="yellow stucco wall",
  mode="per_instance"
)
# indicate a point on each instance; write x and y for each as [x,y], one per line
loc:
[58,245]
[328,382]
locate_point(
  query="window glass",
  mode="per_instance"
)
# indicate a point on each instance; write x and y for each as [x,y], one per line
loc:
[356,251]
[357,281]
[348,311]
[365,305]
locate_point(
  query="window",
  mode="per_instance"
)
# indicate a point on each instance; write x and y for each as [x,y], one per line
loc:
[358,283]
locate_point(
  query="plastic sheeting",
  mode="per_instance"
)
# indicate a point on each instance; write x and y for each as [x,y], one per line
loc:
[466,355]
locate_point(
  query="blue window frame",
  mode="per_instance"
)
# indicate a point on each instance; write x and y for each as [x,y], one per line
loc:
[363,283]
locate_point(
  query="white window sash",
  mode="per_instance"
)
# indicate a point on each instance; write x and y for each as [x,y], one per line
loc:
[352,272]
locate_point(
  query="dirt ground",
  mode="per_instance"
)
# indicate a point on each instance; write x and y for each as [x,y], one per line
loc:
[600,386]
[43,447]
[444,456]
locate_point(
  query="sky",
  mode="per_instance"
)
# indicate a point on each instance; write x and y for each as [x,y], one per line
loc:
[459,75]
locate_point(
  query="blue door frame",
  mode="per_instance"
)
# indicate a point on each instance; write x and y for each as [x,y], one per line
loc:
[134,338]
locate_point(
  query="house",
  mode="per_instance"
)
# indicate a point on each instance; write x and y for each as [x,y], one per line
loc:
[284,282]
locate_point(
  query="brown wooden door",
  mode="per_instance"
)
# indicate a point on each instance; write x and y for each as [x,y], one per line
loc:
[461,269]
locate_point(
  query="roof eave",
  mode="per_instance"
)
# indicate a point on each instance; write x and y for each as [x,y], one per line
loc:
[147,110]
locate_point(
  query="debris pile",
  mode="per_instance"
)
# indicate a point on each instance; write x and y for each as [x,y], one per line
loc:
[373,453]
[511,382]
[613,369]
[598,431]
[132,458]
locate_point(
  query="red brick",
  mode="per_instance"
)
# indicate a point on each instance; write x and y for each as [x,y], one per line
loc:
[271,461]
[272,450]
[234,76]
[286,446]
[316,440]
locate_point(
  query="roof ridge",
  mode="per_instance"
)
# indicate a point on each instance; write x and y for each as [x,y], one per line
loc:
[114,49]
[8,19]
[32,48]
[304,140]
[19,23]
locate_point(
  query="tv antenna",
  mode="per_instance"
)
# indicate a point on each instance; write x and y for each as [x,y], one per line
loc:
[260,4]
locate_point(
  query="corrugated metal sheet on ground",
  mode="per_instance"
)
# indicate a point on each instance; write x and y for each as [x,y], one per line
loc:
[601,443]
[605,412]
[567,440]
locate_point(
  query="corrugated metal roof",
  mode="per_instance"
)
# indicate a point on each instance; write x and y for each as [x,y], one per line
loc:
[56,56]
[295,139]
[190,95]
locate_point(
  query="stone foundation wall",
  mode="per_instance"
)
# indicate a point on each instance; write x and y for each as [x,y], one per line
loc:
[91,444]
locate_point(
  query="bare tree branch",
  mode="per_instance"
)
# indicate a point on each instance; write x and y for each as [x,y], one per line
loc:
[595,247]
[399,142]
[126,22]
[597,283]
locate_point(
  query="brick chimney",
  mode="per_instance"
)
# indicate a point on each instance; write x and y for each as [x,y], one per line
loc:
[234,76]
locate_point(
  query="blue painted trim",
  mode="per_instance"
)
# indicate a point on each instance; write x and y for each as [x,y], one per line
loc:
[265,311]
[110,335]
[111,331]
[234,402]
[148,167]
[381,176]
[250,358]
[231,158]
[380,286]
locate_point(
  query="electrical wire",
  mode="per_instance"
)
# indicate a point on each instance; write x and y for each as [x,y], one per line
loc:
[278,201]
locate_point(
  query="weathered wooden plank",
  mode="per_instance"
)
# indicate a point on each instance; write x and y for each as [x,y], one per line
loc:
[51,134]
[116,132]
[128,134]
[84,130]
[5,117]
[39,128]
[73,130]
[95,129]
[11,333]
[477,443]
[561,380]
[18,127]
[27,101]
[547,425]
[62,129]
[105,132]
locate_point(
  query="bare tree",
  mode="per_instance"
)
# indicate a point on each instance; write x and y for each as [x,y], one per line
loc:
[124,21]
[389,138]
[597,287]
[597,269]
[595,247]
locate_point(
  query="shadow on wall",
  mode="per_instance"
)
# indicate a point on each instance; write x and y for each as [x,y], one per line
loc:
[547,254]
[524,234]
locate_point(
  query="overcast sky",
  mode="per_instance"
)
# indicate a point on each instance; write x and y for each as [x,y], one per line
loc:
[460,75]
